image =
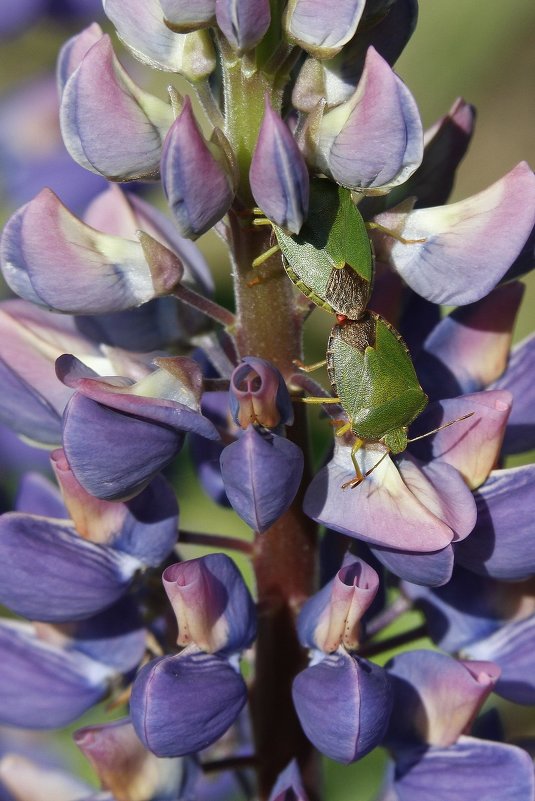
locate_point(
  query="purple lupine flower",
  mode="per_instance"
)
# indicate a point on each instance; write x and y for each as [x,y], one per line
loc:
[143,424]
[144,355]
[262,469]
[183,703]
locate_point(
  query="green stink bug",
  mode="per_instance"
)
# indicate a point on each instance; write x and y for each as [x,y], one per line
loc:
[331,259]
[374,380]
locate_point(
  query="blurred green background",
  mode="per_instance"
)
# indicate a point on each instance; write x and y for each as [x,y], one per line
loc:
[480,50]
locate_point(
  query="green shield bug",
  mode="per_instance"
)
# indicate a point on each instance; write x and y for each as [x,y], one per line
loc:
[331,259]
[374,380]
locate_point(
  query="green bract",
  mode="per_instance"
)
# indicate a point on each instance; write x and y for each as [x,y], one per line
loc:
[371,372]
[331,259]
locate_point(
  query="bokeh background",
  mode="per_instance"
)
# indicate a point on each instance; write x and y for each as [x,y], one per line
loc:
[480,50]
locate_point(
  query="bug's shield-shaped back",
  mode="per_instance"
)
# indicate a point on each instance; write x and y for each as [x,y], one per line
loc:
[371,371]
[331,260]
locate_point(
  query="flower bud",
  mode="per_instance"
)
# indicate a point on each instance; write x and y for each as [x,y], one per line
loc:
[278,174]
[244,23]
[258,395]
[196,178]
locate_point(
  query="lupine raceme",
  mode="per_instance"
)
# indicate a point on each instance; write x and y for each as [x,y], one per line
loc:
[238,663]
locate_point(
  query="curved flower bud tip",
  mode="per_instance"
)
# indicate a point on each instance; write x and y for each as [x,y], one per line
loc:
[184,703]
[196,180]
[465,248]
[469,349]
[347,136]
[127,770]
[445,145]
[473,445]
[343,703]
[182,16]
[51,258]
[71,54]
[436,698]
[110,126]
[212,604]
[28,781]
[332,617]
[278,174]
[468,769]
[258,395]
[44,687]
[312,26]
[512,648]
[261,472]
[243,23]
[334,80]
[140,25]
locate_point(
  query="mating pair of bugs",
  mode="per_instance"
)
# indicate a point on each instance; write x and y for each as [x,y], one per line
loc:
[369,366]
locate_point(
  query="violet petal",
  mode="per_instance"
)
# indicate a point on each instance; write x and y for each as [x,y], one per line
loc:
[184,703]
[43,687]
[463,253]
[243,23]
[343,703]
[262,473]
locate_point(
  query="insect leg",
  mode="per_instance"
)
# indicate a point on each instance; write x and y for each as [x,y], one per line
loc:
[318,400]
[309,368]
[265,256]
[359,478]
[371,226]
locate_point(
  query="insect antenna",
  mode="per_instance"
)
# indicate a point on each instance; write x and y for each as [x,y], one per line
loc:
[446,425]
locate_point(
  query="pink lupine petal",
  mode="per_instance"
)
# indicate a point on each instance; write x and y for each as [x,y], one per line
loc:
[472,344]
[140,24]
[445,145]
[370,146]
[441,489]
[471,446]
[212,604]
[278,174]
[467,246]
[29,780]
[73,51]
[198,186]
[382,510]
[332,616]
[436,698]
[313,26]
[243,23]
[125,767]
[109,125]
[51,258]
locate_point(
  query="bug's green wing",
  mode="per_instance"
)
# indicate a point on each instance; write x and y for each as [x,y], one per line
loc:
[331,259]
[372,373]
